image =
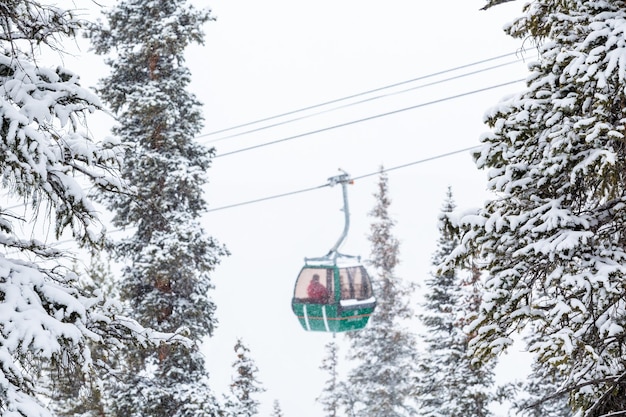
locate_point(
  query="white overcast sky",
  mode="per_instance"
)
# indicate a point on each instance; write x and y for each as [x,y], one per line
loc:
[265,58]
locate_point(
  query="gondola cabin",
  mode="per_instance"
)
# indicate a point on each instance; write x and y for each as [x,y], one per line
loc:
[332,298]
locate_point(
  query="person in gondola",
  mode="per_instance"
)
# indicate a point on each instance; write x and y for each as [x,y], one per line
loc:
[317,292]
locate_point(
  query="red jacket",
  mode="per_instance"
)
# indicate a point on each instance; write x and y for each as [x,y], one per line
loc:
[317,292]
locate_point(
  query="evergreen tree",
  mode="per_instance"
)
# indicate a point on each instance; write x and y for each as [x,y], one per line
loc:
[73,397]
[553,239]
[449,384]
[47,319]
[331,397]
[244,385]
[168,256]
[276,410]
[542,396]
[385,351]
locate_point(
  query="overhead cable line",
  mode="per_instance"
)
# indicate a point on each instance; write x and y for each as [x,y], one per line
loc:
[346,124]
[215,132]
[421,161]
[304,190]
[376,116]
[362,101]
[378,97]
[272,197]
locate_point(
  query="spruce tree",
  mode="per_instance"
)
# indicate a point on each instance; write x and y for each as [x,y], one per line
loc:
[244,385]
[276,410]
[47,319]
[541,395]
[449,384]
[384,352]
[331,396]
[168,256]
[71,397]
[552,241]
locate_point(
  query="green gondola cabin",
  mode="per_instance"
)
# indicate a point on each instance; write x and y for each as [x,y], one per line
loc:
[347,304]
[334,293]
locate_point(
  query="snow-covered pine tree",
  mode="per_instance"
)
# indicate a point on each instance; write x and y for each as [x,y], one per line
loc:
[46,319]
[71,397]
[385,351]
[541,395]
[449,385]
[169,257]
[276,410]
[331,396]
[553,239]
[244,385]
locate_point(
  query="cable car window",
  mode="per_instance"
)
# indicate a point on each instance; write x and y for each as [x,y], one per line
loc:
[314,285]
[355,283]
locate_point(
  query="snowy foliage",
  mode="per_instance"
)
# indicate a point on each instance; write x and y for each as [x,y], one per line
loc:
[333,391]
[449,383]
[491,3]
[42,148]
[168,258]
[70,395]
[244,385]
[541,394]
[552,242]
[381,384]
[170,254]
[47,319]
[276,410]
